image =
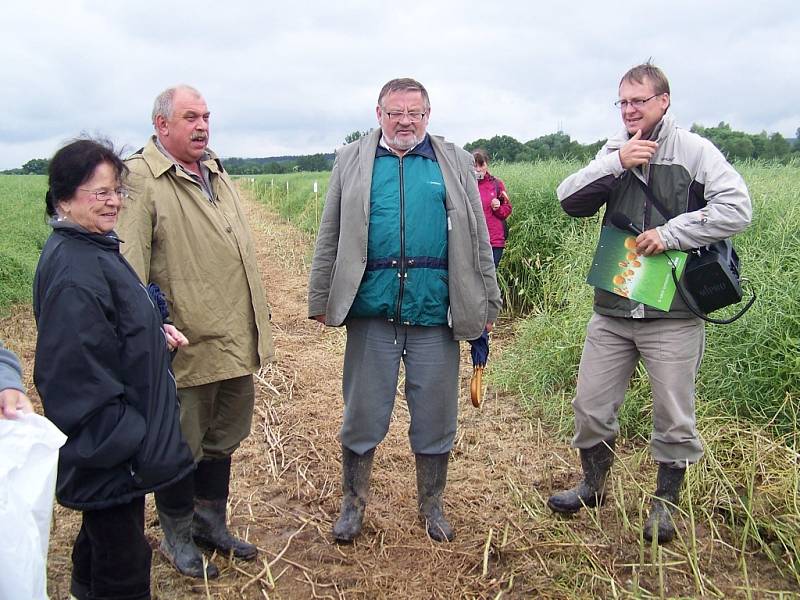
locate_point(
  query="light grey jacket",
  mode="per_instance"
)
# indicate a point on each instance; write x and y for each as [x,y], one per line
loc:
[10,370]
[707,198]
[340,256]
[690,175]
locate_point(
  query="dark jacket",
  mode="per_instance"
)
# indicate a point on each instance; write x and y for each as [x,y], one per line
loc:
[102,371]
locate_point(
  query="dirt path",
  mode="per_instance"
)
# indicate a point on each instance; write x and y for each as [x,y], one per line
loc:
[285,489]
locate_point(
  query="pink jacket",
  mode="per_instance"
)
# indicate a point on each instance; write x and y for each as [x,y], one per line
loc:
[490,188]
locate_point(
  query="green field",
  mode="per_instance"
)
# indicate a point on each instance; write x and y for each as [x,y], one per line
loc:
[748,394]
[748,388]
[25,230]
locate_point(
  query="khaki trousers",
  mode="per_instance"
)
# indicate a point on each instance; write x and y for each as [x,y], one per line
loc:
[671,350]
[216,417]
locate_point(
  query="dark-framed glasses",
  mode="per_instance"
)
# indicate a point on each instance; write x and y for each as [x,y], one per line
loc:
[414,117]
[635,103]
[105,195]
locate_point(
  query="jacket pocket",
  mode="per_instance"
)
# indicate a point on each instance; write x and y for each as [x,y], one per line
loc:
[110,438]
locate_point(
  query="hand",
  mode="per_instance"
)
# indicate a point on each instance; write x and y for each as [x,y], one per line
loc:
[13,402]
[175,339]
[489,326]
[320,318]
[649,243]
[636,151]
[495,203]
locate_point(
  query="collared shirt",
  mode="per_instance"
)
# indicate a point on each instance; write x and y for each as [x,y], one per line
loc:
[384,144]
[203,180]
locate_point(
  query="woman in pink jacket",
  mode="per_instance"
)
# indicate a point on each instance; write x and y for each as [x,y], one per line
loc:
[496,205]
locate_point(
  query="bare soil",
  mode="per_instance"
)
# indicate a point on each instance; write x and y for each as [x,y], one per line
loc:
[285,491]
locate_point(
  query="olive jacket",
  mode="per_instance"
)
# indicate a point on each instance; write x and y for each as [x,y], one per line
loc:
[201,254]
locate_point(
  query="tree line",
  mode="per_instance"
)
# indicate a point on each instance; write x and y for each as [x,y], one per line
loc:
[234,166]
[735,145]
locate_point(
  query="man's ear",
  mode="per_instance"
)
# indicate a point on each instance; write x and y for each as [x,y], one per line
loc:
[162,128]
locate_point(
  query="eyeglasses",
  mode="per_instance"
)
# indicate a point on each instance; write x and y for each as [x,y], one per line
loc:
[414,117]
[637,103]
[105,195]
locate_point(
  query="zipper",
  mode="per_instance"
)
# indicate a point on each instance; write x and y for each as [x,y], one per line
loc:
[402,274]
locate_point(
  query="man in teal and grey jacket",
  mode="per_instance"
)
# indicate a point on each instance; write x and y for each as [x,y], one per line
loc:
[402,260]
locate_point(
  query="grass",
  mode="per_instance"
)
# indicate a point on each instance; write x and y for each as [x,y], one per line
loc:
[25,231]
[749,385]
[748,389]
[742,495]
[293,196]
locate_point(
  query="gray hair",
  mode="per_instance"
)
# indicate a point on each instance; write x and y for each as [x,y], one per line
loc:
[163,104]
[404,84]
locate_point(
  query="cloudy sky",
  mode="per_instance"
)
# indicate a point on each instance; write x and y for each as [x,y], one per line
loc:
[296,77]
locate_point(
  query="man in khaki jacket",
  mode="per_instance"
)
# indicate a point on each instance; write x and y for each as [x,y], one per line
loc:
[184,230]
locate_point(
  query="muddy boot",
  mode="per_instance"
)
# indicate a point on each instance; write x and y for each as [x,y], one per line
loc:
[595,461]
[210,528]
[663,504]
[356,470]
[179,549]
[431,481]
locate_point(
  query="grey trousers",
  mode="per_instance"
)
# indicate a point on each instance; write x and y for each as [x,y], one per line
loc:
[372,358]
[671,350]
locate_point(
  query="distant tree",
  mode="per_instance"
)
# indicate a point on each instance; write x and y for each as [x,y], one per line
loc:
[555,145]
[777,147]
[500,147]
[276,168]
[355,135]
[739,148]
[36,166]
[314,162]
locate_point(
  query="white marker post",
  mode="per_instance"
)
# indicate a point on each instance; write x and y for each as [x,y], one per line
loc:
[316,203]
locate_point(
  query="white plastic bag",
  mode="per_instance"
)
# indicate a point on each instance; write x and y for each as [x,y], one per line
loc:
[28,460]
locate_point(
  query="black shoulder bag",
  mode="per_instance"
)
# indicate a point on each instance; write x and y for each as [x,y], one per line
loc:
[711,275]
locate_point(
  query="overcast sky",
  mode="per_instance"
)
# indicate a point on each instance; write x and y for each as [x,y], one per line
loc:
[296,77]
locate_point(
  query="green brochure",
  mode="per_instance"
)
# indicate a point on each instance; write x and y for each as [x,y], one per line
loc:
[647,279]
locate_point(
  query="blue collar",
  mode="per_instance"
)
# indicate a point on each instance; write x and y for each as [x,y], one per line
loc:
[424,149]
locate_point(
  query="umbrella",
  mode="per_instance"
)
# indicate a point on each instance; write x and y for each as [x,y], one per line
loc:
[480,354]
[160,302]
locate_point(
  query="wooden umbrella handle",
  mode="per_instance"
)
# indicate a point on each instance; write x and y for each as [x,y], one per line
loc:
[476,387]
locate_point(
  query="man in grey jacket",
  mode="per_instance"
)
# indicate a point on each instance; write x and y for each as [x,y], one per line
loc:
[13,400]
[710,202]
[403,261]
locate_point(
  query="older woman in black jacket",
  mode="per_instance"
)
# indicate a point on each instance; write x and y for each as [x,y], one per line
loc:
[103,372]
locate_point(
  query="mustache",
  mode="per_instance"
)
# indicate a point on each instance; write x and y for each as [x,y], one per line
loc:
[199,136]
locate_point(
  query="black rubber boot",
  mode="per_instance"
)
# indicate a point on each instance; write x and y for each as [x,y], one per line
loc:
[356,471]
[210,528]
[431,481]
[179,548]
[595,461]
[663,504]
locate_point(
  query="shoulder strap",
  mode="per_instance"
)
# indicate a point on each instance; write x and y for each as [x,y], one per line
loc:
[652,197]
[693,308]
